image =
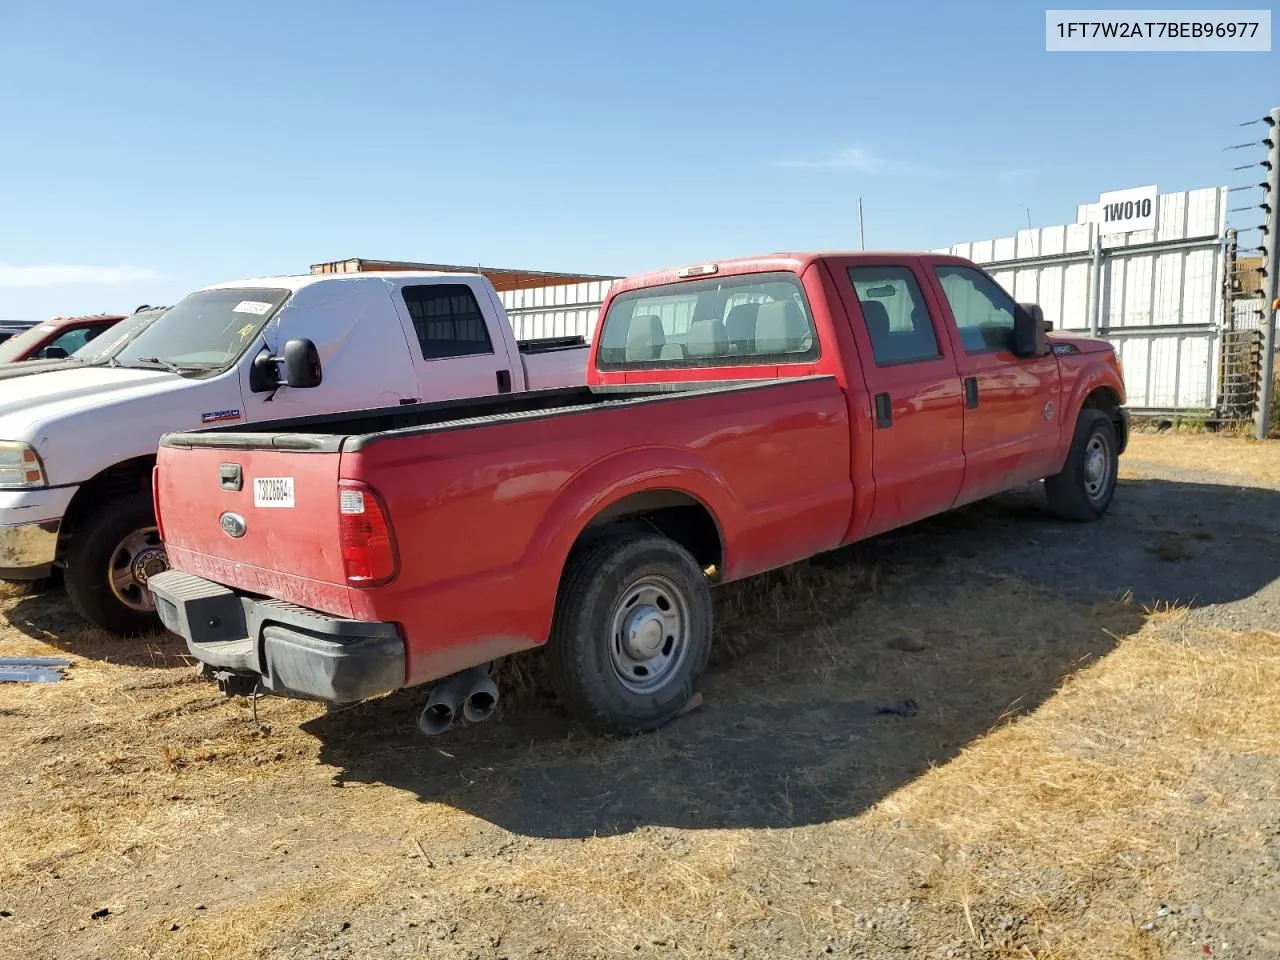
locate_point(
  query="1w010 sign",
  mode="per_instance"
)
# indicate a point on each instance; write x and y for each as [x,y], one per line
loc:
[1123,211]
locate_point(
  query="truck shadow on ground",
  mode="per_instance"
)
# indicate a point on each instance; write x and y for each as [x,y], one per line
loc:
[976,616]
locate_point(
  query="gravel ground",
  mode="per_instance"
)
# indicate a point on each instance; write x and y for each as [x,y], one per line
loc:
[1082,775]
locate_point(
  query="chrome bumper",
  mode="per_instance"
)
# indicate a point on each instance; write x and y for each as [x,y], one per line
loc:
[27,550]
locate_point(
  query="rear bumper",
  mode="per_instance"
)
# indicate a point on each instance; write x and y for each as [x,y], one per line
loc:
[284,649]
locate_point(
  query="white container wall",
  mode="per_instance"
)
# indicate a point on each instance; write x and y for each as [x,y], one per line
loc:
[1159,299]
[567,310]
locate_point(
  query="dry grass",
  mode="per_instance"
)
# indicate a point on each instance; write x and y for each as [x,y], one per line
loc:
[1083,809]
[1239,457]
[1059,783]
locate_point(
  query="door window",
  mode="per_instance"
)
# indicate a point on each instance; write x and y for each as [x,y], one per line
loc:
[895,314]
[982,309]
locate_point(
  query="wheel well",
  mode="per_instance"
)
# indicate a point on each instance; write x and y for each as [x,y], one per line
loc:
[118,480]
[1103,398]
[673,513]
[1108,401]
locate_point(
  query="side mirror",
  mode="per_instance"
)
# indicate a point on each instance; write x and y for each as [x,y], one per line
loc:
[1029,331]
[302,364]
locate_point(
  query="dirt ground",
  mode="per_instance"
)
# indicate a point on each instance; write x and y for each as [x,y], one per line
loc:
[1090,770]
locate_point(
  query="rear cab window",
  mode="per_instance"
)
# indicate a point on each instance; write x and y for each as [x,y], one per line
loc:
[749,320]
[447,320]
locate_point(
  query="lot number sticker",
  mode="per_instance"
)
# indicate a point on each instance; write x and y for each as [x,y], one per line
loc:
[273,492]
[256,307]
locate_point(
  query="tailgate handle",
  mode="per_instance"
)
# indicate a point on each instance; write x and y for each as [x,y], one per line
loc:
[231,477]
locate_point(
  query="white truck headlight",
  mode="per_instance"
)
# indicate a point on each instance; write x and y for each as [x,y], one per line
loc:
[20,466]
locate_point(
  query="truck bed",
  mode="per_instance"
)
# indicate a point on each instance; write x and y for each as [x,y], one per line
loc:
[485,499]
[338,430]
[554,362]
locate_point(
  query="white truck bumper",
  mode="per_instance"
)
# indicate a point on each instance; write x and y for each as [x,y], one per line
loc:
[29,524]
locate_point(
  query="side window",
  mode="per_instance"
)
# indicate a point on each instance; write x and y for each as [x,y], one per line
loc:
[895,313]
[447,320]
[983,311]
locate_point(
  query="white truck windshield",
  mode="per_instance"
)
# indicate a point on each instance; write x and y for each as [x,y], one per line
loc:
[208,330]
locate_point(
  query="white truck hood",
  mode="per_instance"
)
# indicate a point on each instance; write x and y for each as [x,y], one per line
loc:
[76,418]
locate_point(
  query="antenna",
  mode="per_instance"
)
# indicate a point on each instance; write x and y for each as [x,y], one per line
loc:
[862,233]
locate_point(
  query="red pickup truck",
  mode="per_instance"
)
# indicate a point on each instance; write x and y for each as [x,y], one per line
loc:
[738,416]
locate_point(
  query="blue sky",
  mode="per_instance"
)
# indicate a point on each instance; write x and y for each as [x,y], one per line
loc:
[151,148]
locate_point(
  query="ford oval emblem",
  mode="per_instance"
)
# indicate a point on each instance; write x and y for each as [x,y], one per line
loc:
[233,525]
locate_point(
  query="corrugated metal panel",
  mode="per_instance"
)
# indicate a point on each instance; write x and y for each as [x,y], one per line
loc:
[1161,300]
[1165,371]
[562,310]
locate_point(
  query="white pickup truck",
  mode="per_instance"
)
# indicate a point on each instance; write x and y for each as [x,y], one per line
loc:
[77,447]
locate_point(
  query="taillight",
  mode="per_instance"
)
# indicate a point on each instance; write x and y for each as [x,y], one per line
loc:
[155,500]
[368,546]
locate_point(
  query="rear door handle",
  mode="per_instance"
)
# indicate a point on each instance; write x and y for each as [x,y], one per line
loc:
[884,410]
[504,381]
[971,393]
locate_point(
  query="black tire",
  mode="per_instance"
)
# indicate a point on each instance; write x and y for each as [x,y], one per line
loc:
[1078,492]
[595,671]
[89,557]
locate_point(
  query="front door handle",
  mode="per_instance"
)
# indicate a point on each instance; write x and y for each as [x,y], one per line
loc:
[971,393]
[884,410]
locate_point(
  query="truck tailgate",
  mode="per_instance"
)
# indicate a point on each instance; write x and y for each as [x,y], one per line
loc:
[565,367]
[274,531]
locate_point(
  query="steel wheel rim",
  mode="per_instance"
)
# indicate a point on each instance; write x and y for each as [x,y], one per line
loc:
[649,634]
[1097,467]
[136,558]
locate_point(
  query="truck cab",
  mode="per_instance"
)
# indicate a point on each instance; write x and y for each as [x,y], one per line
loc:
[77,446]
[940,363]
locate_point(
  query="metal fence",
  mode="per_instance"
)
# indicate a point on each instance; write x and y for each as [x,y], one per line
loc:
[565,310]
[1155,294]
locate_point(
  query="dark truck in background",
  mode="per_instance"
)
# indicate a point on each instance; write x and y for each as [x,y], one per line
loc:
[738,416]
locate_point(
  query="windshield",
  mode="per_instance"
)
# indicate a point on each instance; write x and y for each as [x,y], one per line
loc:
[19,344]
[206,331]
[115,338]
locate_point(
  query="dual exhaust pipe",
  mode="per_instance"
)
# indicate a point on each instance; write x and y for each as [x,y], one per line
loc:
[471,694]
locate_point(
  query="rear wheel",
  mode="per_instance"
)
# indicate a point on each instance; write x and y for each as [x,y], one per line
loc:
[112,555]
[632,633]
[1087,482]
